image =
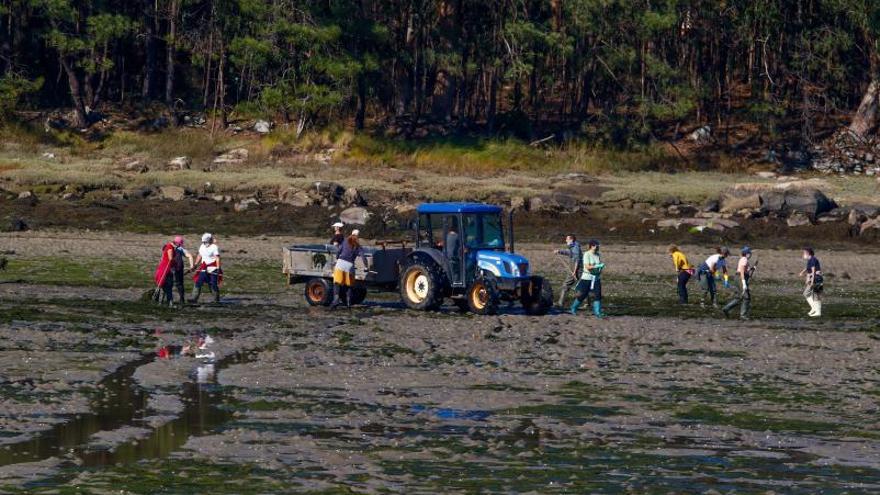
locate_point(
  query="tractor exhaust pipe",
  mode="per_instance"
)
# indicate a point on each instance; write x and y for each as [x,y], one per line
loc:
[511,247]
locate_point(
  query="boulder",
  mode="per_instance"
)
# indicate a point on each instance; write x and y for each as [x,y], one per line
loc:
[262,127]
[732,203]
[330,192]
[296,198]
[701,135]
[172,193]
[711,206]
[355,216]
[18,225]
[236,156]
[798,219]
[870,227]
[180,163]
[136,166]
[517,203]
[246,204]
[353,197]
[810,202]
[856,217]
[782,198]
[557,202]
[143,192]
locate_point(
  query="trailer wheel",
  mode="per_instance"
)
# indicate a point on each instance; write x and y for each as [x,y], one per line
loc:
[537,297]
[357,295]
[482,296]
[319,292]
[421,286]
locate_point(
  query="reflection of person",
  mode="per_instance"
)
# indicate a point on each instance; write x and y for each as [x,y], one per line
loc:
[684,270]
[814,283]
[343,272]
[338,236]
[708,271]
[176,255]
[745,270]
[209,270]
[575,264]
[590,285]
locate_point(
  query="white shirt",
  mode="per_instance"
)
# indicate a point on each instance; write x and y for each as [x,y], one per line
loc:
[715,262]
[209,254]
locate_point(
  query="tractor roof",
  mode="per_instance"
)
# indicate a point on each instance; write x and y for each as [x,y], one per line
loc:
[440,208]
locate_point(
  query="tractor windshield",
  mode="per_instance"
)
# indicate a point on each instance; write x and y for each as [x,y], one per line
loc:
[483,232]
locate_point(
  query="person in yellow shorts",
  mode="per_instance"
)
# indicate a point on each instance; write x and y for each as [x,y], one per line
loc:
[343,272]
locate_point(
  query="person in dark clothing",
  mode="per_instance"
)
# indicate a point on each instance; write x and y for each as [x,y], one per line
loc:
[812,274]
[338,237]
[452,250]
[575,255]
[684,271]
[176,255]
[344,271]
[745,269]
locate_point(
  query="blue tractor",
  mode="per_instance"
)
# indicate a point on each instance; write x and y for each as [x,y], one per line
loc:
[461,254]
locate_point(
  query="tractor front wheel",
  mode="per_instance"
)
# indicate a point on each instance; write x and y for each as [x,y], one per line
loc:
[537,297]
[421,286]
[482,296]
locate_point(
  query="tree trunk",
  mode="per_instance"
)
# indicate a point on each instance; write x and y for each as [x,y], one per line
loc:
[152,25]
[171,49]
[865,119]
[361,115]
[79,107]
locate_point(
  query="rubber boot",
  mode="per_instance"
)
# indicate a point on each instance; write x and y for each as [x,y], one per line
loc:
[197,291]
[337,289]
[575,305]
[182,294]
[818,308]
[812,304]
[597,309]
[727,307]
[216,295]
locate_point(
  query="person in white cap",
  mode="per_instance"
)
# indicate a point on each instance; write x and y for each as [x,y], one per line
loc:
[338,237]
[343,272]
[209,270]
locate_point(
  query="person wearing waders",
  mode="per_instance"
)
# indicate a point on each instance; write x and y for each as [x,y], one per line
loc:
[175,257]
[814,282]
[209,270]
[709,270]
[590,284]
[344,271]
[684,270]
[745,270]
[574,266]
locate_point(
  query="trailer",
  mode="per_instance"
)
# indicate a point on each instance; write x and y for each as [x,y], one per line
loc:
[312,265]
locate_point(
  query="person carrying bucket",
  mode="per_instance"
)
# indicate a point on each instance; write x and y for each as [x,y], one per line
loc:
[709,270]
[590,285]
[745,269]
[684,270]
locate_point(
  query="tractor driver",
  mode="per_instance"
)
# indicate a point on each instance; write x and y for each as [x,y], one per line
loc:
[452,248]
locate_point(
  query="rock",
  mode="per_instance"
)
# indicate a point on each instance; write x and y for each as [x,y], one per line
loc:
[536,204]
[870,211]
[667,223]
[324,156]
[798,219]
[781,198]
[180,163]
[172,193]
[812,203]
[330,192]
[246,204]
[143,192]
[208,188]
[732,203]
[701,135]
[71,196]
[517,203]
[355,216]
[670,201]
[262,127]
[295,197]
[220,198]
[26,195]
[856,217]
[556,202]
[353,197]
[766,175]
[236,156]
[49,156]
[712,205]
[136,166]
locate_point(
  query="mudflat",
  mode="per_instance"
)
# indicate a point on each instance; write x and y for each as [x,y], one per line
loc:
[97,395]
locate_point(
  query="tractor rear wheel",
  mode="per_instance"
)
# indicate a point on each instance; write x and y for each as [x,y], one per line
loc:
[422,286]
[537,297]
[357,295]
[319,292]
[482,296]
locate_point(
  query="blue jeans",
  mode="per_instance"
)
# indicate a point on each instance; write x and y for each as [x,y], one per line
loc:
[211,278]
[707,282]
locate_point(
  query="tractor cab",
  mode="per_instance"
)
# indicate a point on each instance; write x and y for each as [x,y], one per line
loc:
[462,252]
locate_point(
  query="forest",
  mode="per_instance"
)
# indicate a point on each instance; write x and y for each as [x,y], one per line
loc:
[619,72]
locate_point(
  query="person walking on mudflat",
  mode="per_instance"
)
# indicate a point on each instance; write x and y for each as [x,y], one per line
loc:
[814,282]
[175,255]
[575,266]
[684,270]
[209,270]
[709,270]
[344,271]
[745,270]
[590,285]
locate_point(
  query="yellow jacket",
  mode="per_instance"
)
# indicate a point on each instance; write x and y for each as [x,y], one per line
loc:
[680,261]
